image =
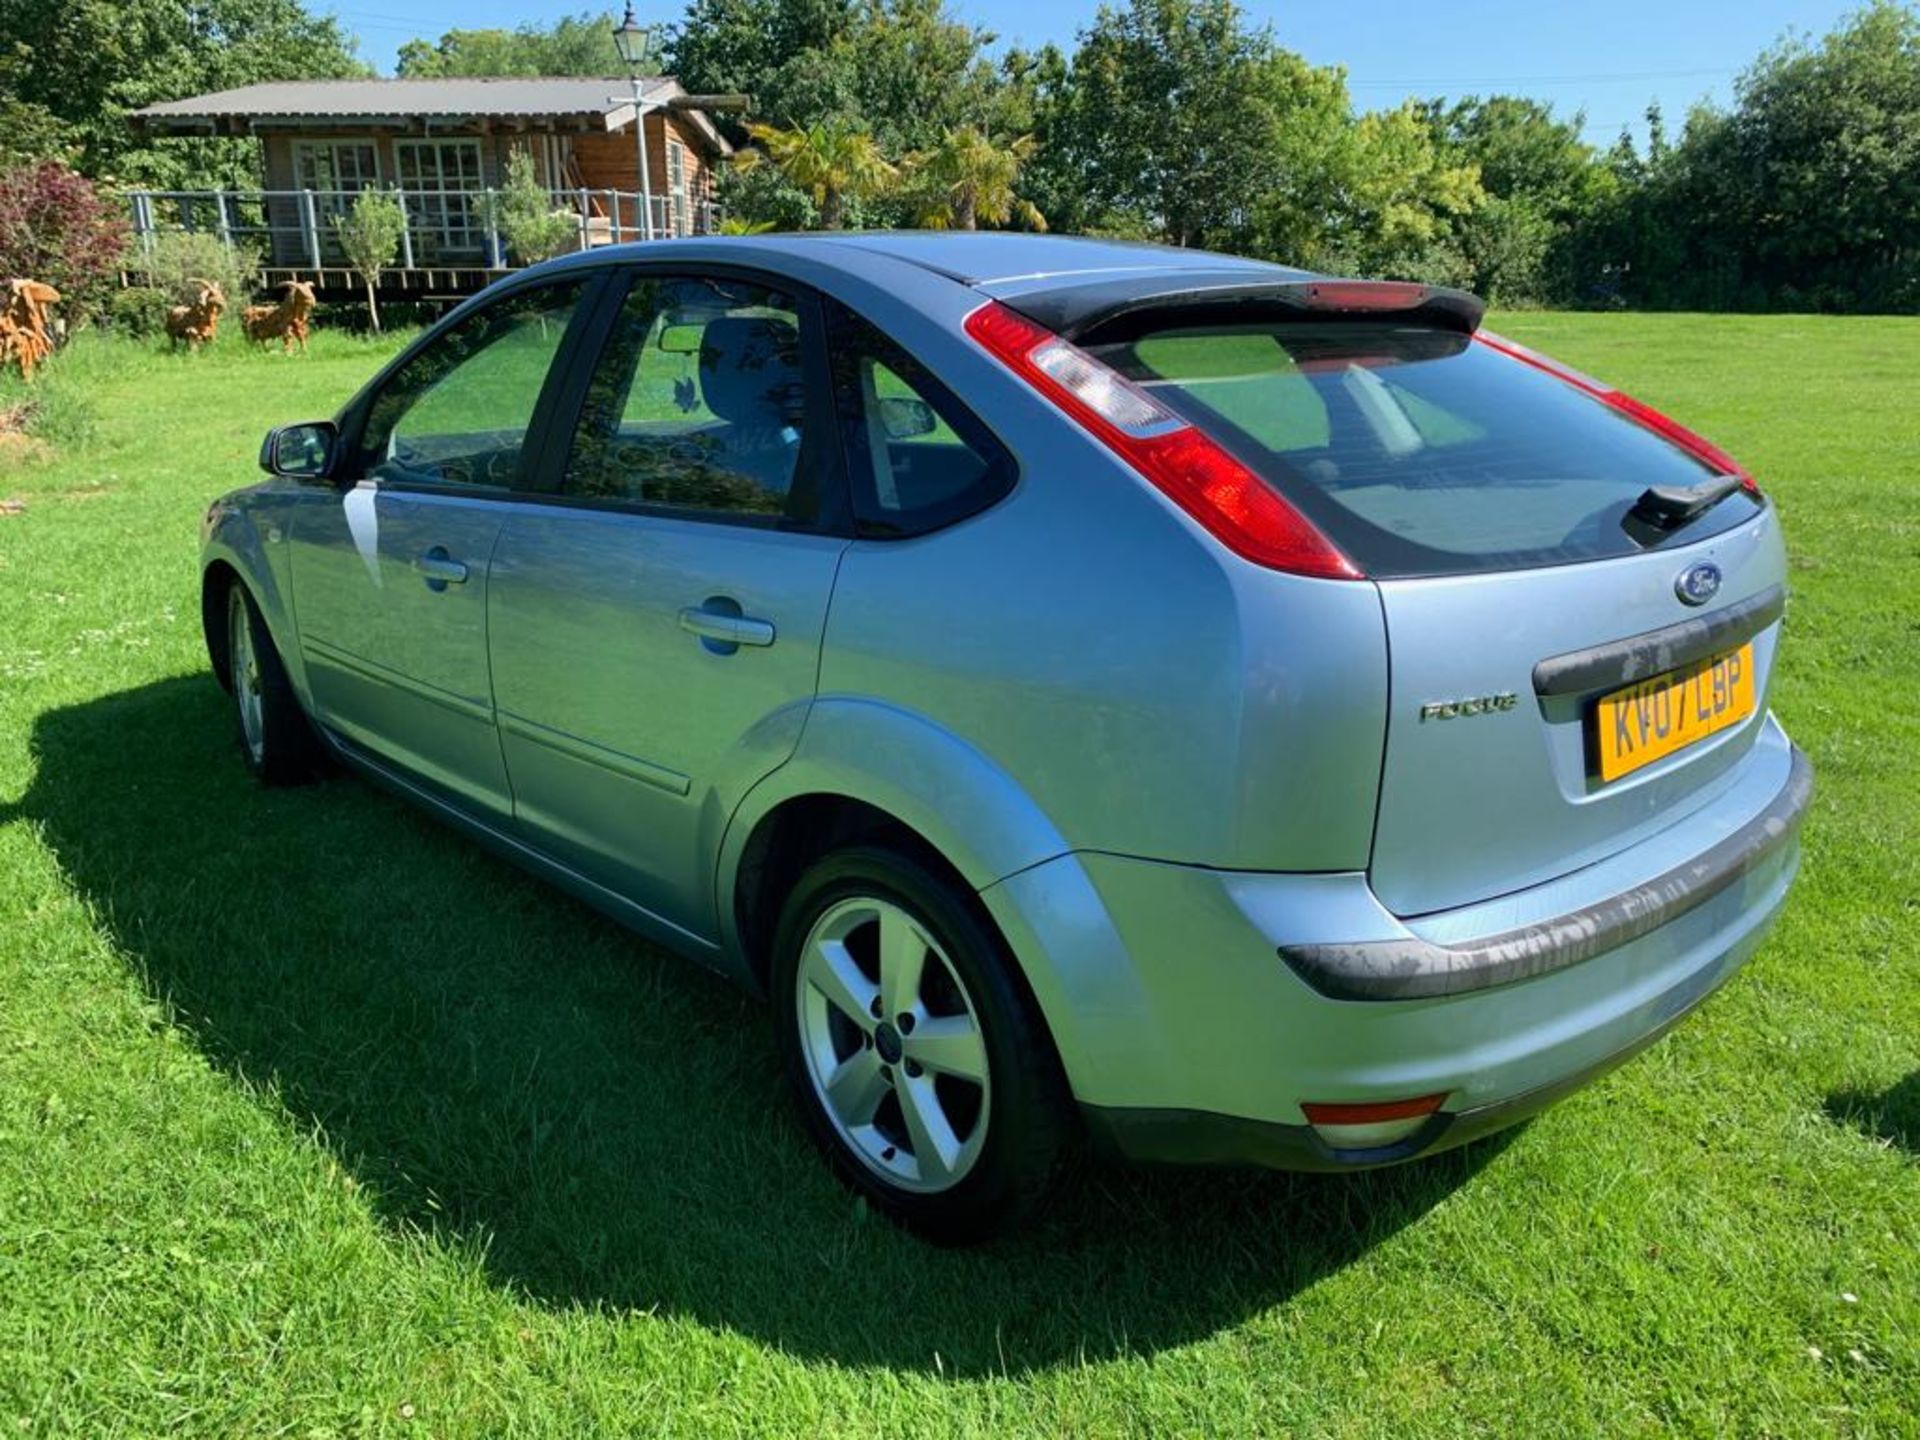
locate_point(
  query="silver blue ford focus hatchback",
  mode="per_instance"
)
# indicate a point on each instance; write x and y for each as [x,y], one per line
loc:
[1092,690]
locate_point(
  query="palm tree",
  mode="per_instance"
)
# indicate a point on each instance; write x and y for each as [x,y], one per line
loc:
[833,161]
[968,178]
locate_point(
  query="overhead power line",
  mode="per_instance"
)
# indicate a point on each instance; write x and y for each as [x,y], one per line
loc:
[1458,80]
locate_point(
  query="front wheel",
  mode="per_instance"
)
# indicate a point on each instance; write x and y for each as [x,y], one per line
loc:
[920,1063]
[275,738]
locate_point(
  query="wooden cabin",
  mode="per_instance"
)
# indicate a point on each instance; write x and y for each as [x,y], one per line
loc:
[441,144]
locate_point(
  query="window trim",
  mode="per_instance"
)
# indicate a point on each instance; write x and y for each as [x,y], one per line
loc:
[835,516]
[533,452]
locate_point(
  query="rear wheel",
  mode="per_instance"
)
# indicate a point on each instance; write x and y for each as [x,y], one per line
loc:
[275,739]
[919,1062]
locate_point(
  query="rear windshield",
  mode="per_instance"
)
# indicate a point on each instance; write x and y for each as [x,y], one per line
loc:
[1418,451]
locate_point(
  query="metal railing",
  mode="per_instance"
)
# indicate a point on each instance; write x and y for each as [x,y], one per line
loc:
[445,229]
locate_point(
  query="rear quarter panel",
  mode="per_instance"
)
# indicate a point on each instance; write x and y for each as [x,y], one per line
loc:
[1154,695]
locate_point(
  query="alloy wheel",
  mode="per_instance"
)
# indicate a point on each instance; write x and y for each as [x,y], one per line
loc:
[893,1044]
[245,663]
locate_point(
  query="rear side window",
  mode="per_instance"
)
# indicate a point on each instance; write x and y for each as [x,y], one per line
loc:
[698,404]
[1417,450]
[917,459]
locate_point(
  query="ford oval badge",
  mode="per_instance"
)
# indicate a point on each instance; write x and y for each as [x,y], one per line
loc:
[1698,584]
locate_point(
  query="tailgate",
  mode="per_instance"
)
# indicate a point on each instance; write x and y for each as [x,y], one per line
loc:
[1480,797]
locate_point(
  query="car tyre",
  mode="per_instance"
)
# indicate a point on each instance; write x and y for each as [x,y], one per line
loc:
[919,1061]
[276,741]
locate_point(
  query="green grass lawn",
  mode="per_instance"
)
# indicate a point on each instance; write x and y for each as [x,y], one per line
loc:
[316,1121]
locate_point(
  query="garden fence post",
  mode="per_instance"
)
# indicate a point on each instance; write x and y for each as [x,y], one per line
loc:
[406,229]
[586,231]
[310,226]
[220,218]
[143,220]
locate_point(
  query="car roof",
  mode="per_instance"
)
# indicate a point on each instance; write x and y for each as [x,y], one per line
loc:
[1006,260]
[998,263]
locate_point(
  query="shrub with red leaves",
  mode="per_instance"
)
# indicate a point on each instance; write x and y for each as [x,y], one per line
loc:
[54,226]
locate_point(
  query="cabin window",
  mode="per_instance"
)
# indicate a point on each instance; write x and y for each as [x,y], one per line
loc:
[441,179]
[677,188]
[335,171]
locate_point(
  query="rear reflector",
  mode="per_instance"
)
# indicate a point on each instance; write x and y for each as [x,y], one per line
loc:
[1665,426]
[1232,503]
[1369,1125]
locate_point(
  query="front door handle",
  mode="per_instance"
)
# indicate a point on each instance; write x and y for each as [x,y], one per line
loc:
[720,628]
[439,569]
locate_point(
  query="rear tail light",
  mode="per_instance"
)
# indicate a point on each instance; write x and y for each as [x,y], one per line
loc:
[1369,1125]
[1665,426]
[1233,504]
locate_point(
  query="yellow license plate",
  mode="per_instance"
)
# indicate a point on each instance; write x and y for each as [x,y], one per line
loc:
[1644,722]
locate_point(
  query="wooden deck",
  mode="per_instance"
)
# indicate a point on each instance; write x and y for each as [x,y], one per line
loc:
[449,247]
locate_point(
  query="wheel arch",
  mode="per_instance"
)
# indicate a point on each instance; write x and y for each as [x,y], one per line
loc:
[235,549]
[864,770]
[216,583]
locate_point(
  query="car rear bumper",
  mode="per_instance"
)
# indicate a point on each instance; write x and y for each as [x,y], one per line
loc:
[1188,1038]
[1412,968]
[1198,1137]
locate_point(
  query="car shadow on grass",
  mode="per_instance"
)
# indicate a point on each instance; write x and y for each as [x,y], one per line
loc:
[602,1122]
[1892,1115]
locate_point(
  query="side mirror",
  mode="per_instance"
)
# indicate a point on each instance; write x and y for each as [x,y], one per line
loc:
[300,452]
[905,416]
[677,338]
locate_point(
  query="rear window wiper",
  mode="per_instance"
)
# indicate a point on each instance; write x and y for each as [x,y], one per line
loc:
[1668,507]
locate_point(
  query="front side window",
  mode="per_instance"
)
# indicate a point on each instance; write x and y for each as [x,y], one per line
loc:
[916,457]
[458,412]
[699,404]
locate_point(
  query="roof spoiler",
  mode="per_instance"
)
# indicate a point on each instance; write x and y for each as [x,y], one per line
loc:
[1115,310]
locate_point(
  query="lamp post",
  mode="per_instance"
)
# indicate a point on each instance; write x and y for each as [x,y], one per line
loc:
[635,42]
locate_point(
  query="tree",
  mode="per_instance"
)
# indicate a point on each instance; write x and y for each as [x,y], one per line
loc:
[1296,214]
[572,45]
[55,228]
[1542,180]
[1523,150]
[1816,172]
[1167,120]
[967,177]
[370,234]
[524,213]
[1400,199]
[834,162]
[906,70]
[30,133]
[1805,194]
[84,64]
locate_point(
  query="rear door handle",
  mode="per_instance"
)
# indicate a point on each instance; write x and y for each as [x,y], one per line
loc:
[440,569]
[724,629]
